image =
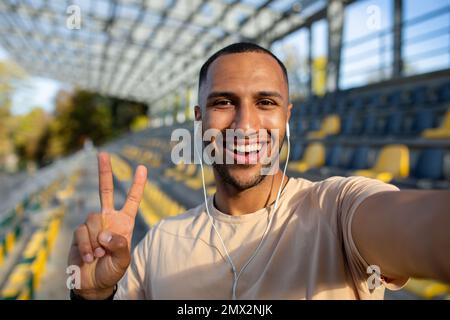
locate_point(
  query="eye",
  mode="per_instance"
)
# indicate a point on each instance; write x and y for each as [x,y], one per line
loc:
[266,103]
[222,103]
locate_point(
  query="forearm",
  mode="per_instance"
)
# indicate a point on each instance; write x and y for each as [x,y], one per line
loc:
[406,233]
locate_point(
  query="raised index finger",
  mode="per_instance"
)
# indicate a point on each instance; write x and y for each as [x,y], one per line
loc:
[135,194]
[106,187]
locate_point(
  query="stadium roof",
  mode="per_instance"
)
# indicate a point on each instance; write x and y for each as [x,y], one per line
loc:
[138,50]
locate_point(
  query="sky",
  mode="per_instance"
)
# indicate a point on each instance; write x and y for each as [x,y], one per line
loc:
[35,92]
[41,91]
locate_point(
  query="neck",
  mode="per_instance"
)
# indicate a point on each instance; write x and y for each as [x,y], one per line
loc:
[235,202]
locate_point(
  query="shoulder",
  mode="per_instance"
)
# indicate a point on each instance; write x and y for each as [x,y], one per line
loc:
[343,184]
[337,189]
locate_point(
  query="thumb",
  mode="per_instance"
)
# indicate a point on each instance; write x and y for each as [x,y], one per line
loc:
[117,246]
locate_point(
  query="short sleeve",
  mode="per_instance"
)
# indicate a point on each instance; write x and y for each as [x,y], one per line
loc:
[133,284]
[353,191]
[340,197]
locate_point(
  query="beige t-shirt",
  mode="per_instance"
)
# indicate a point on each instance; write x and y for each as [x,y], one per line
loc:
[308,253]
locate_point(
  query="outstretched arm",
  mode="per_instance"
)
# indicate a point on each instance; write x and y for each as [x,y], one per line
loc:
[405,233]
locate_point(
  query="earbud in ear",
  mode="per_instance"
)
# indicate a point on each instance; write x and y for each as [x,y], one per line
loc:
[288,132]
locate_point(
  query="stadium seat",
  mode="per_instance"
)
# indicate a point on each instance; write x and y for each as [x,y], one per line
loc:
[394,99]
[296,150]
[313,123]
[171,172]
[356,103]
[374,101]
[443,92]
[418,95]
[333,154]
[196,182]
[442,132]
[300,128]
[369,125]
[421,120]
[427,289]
[189,172]
[331,125]
[341,106]
[393,161]
[394,122]
[429,165]
[359,158]
[314,157]
[348,124]
[346,154]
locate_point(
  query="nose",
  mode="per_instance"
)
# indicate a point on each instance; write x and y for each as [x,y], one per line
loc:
[246,117]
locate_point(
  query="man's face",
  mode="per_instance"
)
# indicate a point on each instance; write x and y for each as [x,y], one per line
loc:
[245,91]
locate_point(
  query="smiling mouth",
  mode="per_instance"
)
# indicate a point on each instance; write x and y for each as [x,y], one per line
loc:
[244,152]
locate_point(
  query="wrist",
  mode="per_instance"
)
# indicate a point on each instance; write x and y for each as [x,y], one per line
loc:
[95,294]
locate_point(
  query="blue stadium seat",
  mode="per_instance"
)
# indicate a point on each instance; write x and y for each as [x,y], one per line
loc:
[374,101]
[333,153]
[328,107]
[360,158]
[429,164]
[313,123]
[394,99]
[418,95]
[369,124]
[356,103]
[422,119]
[443,92]
[394,123]
[341,106]
[346,157]
[297,151]
[299,128]
[348,124]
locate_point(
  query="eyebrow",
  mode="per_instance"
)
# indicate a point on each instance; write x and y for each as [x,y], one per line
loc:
[270,94]
[266,94]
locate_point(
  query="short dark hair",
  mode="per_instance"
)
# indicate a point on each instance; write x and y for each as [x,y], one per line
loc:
[239,47]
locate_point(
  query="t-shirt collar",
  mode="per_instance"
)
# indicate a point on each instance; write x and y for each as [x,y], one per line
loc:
[252,216]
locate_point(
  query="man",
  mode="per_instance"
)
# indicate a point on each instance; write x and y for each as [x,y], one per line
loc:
[326,239]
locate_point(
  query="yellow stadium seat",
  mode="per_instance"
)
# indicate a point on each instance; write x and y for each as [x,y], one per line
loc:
[392,162]
[427,289]
[314,157]
[283,152]
[121,169]
[171,172]
[19,283]
[331,125]
[156,204]
[196,182]
[36,242]
[189,172]
[2,254]
[442,132]
[10,240]
[211,190]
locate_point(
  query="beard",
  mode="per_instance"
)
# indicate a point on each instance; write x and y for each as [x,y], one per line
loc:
[223,172]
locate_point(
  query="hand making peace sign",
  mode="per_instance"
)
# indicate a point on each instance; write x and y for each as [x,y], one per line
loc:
[101,245]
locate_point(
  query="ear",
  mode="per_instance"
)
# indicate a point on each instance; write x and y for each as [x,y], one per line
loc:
[198,113]
[289,109]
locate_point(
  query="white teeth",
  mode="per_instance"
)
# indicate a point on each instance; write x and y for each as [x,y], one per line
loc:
[248,148]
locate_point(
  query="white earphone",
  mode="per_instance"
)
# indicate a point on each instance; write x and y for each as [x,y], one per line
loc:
[237,275]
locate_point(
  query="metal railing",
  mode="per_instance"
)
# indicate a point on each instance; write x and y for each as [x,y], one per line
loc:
[384,49]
